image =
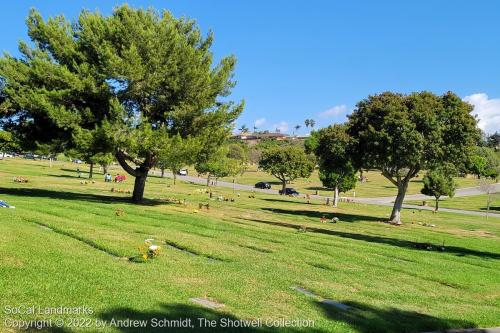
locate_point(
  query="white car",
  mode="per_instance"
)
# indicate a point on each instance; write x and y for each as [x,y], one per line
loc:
[5,155]
[183,172]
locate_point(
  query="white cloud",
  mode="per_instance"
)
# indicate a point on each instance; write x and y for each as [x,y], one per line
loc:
[282,126]
[259,122]
[487,111]
[334,111]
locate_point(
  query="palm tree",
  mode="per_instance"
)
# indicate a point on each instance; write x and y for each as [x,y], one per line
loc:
[306,122]
[254,129]
[312,123]
[296,128]
[243,129]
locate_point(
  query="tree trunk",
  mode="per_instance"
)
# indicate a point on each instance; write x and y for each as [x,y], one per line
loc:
[139,185]
[208,180]
[283,188]
[175,176]
[91,173]
[437,204]
[140,172]
[398,204]
[163,172]
[105,168]
[336,196]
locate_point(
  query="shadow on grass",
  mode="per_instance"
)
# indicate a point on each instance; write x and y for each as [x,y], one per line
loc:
[302,200]
[317,215]
[318,188]
[459,251]
[63,195]
[174,312]
[494,208]
[67,176]
[367,319]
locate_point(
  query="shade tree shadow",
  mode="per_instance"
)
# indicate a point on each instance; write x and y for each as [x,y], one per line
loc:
[456,250]
[289,201]
[174,312]
[494,208]
[368,319]
[317,215]
[66,176]
[76,196]
[318,188]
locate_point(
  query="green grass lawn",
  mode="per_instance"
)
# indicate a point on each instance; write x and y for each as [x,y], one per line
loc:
[65,245]
[475,202]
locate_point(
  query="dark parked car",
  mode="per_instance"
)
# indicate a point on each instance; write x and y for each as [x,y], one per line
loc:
[290,191]
[263,185]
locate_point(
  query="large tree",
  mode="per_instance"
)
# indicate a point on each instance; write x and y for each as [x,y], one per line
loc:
[286,163]
[139,74]
[336,168]
[403,134]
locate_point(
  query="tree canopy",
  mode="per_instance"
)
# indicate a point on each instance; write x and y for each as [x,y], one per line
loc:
[177,153]
[7,143]
[403,134]
[286,163]
[335,164]
[138,74]
[484,163]
[227,161]
[439,182]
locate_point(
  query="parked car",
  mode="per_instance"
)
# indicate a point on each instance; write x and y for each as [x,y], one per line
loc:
[183,172]
[5,155]
[77,161]
[263,185]
[290,191]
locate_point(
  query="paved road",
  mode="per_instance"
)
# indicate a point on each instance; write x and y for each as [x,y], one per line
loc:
[381,201]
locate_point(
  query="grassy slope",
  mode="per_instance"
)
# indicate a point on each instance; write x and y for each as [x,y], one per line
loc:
[370,265]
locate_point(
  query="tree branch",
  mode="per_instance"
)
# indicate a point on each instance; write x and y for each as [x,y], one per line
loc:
[388,176]
[411,173]
[122,159]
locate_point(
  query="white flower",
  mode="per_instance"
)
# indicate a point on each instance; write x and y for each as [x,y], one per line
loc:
[153,248]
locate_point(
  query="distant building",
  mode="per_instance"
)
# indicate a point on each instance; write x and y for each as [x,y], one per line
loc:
[255,137]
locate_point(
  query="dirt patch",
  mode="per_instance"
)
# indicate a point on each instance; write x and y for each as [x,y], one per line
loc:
[206,303]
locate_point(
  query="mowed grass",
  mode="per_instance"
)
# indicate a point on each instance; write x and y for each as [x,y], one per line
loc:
[474,202]
[376,185]
[63,246]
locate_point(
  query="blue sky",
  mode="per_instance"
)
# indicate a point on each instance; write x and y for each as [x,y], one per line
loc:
[316,59]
